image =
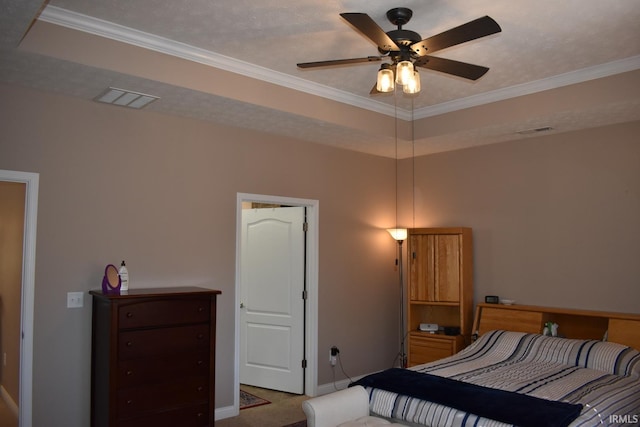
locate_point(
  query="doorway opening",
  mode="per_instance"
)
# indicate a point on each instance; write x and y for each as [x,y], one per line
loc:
[31,180]
[310,278]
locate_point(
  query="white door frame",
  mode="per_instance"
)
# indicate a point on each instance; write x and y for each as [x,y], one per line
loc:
[28,289]
[311,330]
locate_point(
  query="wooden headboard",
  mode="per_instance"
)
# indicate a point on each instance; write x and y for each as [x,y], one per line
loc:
[582,324]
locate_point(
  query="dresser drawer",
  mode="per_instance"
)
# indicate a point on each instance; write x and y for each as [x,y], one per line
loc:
[424,348]
[193,416]
[162,341]
[163,312]
[148,370]
[156,397]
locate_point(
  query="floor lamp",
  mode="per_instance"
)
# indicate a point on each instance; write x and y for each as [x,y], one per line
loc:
[400,235]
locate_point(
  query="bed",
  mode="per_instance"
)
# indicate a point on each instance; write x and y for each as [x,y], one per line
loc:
[515,378]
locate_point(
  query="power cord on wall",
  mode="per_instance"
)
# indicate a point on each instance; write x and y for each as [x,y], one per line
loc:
[333,370]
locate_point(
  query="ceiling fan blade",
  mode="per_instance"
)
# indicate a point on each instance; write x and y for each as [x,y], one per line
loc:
[367,26]
[449,66]
[339,62]
[472,30]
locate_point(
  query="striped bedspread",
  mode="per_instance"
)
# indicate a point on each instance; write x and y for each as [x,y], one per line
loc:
[603,377]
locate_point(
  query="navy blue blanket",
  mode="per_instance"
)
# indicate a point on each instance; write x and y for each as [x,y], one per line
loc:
[505,406]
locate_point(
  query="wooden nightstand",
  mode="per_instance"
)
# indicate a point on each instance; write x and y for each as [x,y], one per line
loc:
[425,347]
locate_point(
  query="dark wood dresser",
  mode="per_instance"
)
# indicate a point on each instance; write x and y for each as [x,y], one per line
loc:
[153,358]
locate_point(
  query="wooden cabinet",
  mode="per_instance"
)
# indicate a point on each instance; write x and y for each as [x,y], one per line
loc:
[153,358]
[435,267]
[440,291]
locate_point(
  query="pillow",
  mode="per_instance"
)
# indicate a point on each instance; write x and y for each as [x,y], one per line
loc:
[609,357]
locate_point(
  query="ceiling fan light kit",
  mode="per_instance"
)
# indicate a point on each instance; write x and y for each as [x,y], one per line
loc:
[386,80]
[412,86]
[407,50]
[404,72]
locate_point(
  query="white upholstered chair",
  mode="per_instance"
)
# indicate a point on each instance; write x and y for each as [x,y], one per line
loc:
[344,408]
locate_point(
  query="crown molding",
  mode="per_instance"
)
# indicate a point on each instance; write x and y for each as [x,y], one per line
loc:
[554,82]
[77,21]
[99,27]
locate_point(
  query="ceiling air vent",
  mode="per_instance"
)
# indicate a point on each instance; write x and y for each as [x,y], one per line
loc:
[125,98]
[536,130]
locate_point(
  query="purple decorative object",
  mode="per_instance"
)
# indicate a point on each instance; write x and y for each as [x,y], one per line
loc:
[111,281]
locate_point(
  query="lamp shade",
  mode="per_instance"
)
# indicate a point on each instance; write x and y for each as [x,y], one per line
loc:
[385,82]
[398,233]
[413,85]
[404,72]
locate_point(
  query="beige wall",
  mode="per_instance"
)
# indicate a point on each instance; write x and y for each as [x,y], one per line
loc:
[555,222]
[556,218]
[12,206]
[160,192]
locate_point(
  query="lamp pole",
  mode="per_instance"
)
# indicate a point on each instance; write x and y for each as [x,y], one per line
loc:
[400,234]
[403,354]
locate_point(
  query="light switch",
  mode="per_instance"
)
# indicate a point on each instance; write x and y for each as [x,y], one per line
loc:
[75,299]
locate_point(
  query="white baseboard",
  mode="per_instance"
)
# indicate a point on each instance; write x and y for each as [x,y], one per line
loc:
[334,386]
[225,412]
[13,407]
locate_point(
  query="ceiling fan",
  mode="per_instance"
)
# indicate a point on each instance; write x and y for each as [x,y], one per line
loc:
[407,48]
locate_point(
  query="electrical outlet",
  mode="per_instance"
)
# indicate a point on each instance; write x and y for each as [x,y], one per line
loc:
[75,299]
[333,355]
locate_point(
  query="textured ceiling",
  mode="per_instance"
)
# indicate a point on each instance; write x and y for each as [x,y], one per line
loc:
[544,47]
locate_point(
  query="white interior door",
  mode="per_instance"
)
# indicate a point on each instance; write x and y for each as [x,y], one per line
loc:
[271,303]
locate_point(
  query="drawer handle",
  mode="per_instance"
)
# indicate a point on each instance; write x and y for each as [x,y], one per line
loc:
[200,362]
[199,388]
[200,336]
[129,402]
[200,309]
[129,343]
[129,314]
[129,373]
[200,415]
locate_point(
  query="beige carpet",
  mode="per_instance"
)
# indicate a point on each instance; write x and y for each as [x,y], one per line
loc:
[283,410]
